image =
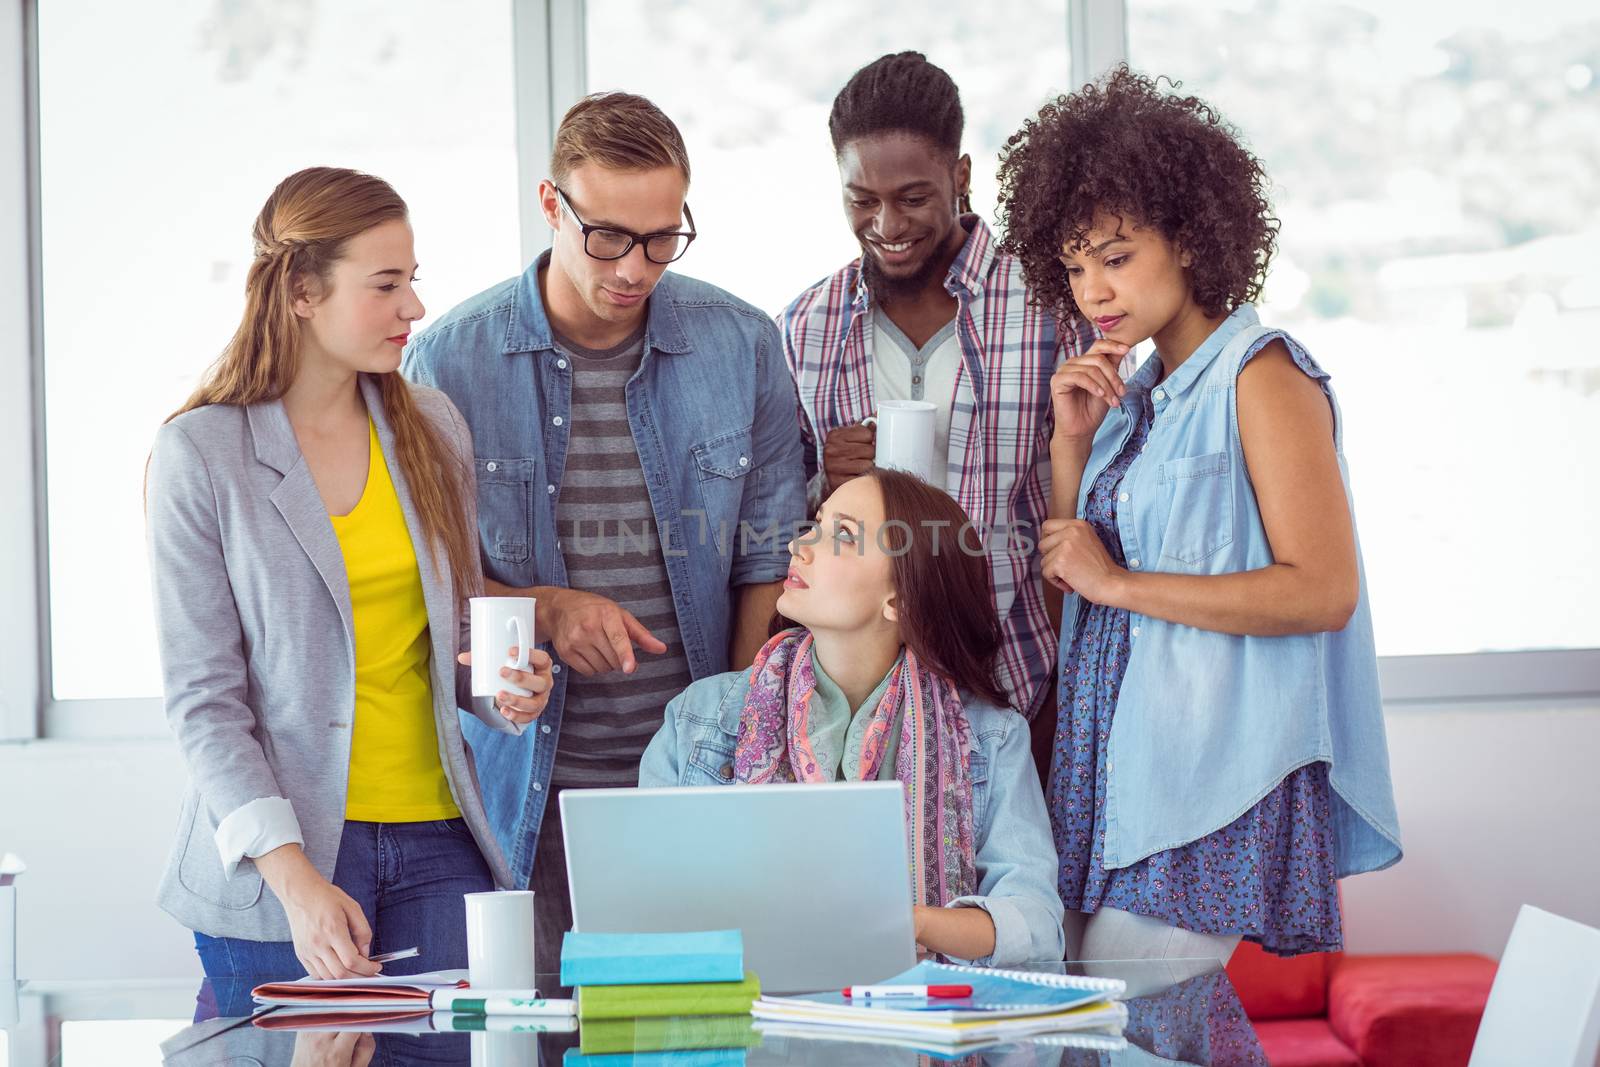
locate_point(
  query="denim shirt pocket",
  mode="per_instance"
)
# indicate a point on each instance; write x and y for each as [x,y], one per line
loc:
[722,463]
[979,767]
[710,761]
[1200,519]
[505,512]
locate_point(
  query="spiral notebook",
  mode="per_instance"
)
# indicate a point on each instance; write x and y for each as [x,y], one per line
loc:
[1000,1001]
[994,993]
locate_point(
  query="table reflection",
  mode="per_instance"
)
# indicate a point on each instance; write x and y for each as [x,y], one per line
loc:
[1179,1012]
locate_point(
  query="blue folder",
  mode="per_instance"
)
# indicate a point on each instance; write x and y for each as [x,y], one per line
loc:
[652,959]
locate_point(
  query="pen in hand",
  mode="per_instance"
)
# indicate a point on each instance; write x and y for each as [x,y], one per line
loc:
[397,954]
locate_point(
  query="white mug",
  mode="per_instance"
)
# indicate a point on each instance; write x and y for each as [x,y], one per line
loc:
[498,622]
[500,939]
[905,437]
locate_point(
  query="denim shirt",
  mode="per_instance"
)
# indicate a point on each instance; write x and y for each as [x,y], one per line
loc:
[1208,723]
[1016,860]
[714,416]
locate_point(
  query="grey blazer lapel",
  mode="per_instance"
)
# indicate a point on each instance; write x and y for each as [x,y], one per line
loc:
[297,499]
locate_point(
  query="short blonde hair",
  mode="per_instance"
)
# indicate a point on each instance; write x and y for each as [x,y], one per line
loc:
[619,131]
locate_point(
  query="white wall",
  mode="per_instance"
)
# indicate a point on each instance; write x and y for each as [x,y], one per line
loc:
[93,820]
[1498,807]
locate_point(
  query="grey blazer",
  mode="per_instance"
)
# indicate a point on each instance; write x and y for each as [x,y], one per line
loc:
[258,651]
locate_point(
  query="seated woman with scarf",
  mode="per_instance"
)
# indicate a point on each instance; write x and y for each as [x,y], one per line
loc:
[887,673]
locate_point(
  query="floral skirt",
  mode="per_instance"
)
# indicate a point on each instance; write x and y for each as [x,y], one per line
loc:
[1268,875]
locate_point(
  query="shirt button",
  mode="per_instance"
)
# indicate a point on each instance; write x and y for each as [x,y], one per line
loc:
[491,466]
[1109,768]
[556,420]
[549,488]
[555,668]
[544,729]
[1135,633]
[726,770]
[1160,394]
[744,461]
[537,788]
[1123,498]
[916,379]
[561,363]
[1134,564]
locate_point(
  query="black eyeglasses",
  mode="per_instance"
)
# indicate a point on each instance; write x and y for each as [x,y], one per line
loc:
[607,242]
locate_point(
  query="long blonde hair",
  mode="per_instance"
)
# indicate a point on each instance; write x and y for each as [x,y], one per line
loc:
[300,233]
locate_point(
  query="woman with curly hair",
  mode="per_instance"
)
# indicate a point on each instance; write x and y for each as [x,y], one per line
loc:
[1219,758]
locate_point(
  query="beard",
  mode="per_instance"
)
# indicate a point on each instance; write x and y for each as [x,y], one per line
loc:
[887,290]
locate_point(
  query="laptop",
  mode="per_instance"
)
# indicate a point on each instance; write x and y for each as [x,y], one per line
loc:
[816,876]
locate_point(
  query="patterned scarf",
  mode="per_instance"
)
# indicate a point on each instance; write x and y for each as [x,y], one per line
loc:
[933,760]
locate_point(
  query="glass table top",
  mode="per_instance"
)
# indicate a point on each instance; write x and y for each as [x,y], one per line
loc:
[1179,1012]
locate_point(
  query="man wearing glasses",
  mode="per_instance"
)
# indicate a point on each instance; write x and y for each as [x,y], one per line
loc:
[638,467]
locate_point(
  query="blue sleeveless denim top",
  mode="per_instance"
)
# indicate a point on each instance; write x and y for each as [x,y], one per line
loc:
[1208,723]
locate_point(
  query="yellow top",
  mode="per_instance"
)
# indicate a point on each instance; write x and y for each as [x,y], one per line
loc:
[395,770]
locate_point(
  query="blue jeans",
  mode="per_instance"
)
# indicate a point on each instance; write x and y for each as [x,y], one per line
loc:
[408,879]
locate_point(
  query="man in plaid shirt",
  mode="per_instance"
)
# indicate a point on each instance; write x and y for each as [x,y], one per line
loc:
[932,310]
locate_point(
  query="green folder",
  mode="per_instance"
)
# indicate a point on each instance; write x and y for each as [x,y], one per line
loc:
[668,1034]
[694,998]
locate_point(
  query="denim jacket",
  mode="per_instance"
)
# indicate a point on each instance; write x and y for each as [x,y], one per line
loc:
[1016,858]
[1208,723]
[715,419]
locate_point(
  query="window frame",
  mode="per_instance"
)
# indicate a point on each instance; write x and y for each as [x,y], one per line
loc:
[24,651]
[549,41]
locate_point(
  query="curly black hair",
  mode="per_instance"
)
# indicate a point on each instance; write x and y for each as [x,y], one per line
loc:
[1125,147]
[898,92]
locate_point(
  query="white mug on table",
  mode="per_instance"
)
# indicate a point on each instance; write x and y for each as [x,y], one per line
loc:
[905,437]
[500,939]
[498,622]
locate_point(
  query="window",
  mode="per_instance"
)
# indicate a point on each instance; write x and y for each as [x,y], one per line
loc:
[1433,166]
[160,139]
[750,85]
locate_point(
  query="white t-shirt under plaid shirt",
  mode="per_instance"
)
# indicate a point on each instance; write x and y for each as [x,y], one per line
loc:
[998,451]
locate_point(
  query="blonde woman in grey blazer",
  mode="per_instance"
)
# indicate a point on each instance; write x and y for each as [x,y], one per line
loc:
[306,496]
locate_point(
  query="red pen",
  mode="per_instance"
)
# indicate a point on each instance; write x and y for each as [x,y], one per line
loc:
[859,991]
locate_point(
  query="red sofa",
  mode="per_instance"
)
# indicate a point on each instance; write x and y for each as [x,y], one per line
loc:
[1334,1010]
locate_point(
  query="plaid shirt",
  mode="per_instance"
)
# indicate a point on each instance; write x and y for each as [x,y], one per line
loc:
[1000,425]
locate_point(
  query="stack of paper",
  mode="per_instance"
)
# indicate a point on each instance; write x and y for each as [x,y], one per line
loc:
[1004,1005]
